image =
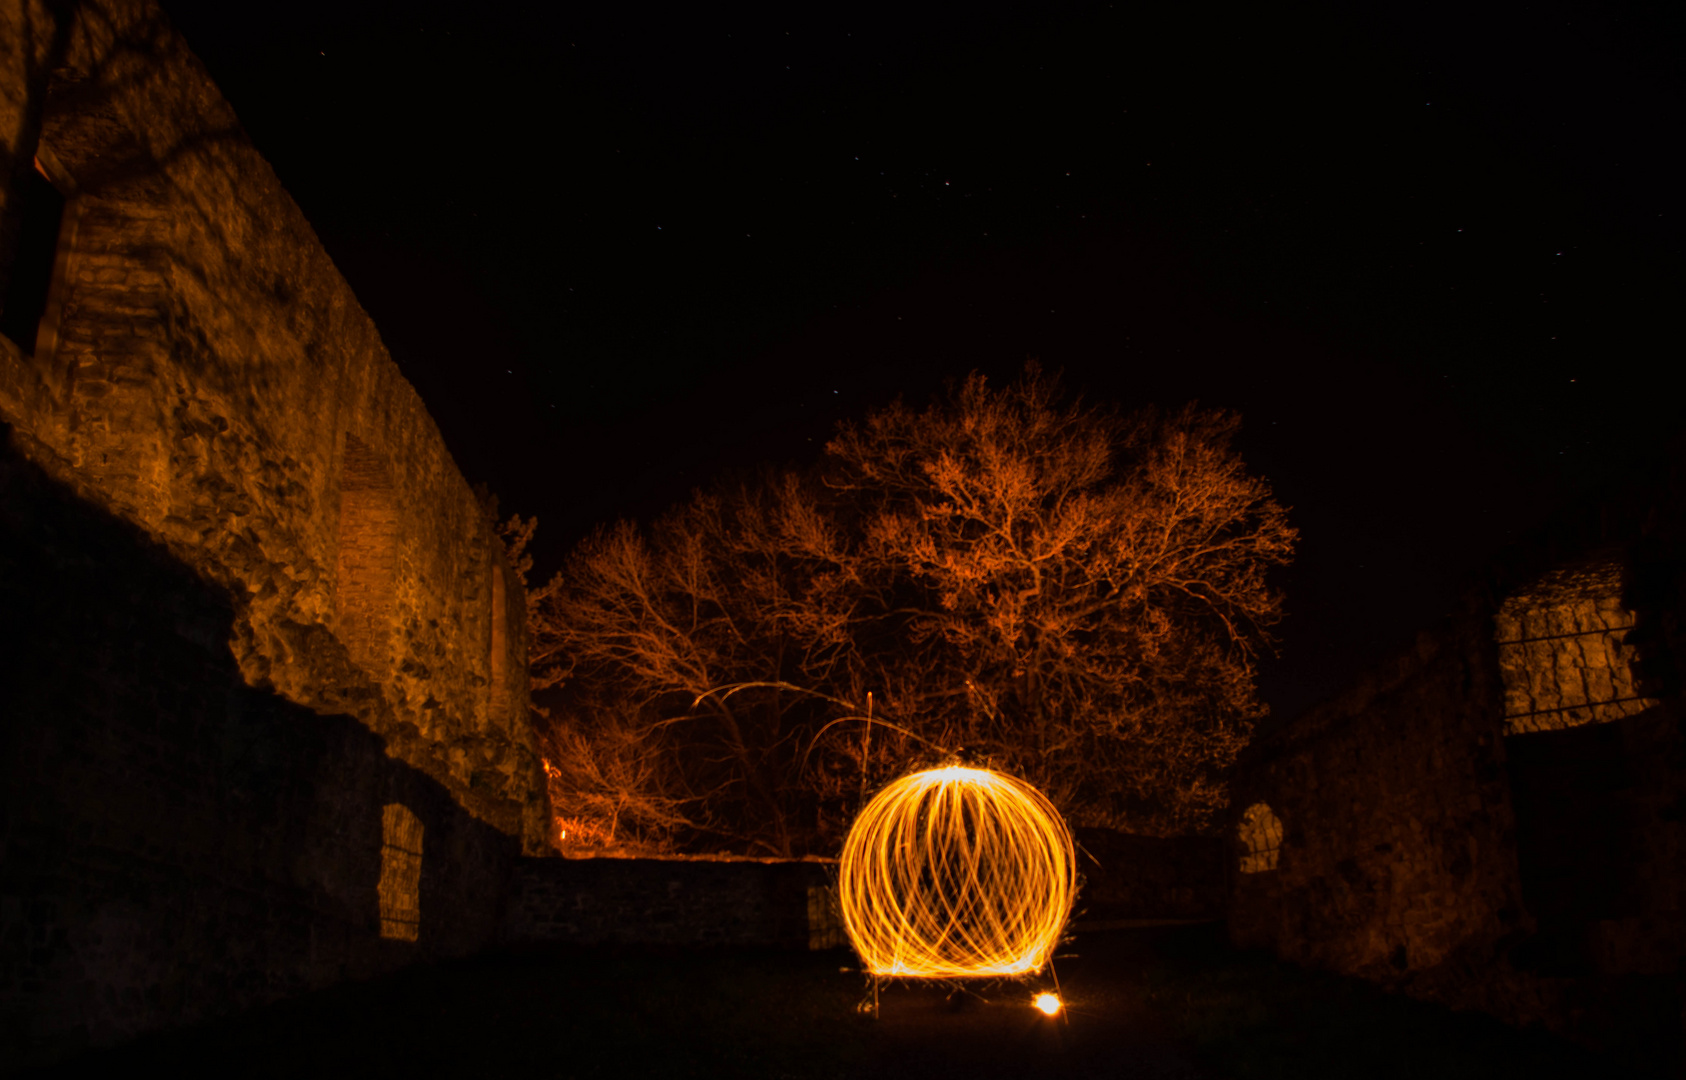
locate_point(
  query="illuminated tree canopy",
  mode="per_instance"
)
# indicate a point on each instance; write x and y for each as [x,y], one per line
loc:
[1053,588]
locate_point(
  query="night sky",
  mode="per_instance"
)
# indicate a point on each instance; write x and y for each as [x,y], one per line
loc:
[1432,256]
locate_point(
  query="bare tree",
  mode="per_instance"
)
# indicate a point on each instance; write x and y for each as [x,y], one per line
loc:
[1086,593]
[719,638]
[1076,596]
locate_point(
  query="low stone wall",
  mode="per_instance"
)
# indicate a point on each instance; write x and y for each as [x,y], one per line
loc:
[1130,878]
[788,904]
[689,902]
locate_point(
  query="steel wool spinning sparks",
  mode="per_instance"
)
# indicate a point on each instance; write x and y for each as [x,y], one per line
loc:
[957,872]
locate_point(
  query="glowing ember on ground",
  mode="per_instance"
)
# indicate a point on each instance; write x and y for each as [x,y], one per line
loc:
[1048,1003]
[957,872]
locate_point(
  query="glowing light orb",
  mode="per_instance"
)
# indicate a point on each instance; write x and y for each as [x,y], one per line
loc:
[956,872]
[1048,1003]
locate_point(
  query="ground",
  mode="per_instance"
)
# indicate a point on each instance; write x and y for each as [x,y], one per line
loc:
[1146,1003]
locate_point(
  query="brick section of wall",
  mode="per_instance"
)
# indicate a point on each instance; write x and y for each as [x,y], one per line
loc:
[1563,652]
[174,843]
[737,902]
[1397,854]
[213,381]
[367,572]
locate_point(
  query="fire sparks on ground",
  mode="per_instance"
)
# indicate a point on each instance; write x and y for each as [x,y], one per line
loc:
[957,872]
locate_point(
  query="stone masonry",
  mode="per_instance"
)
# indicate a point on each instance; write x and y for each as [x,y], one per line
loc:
[252,605]
[1396,849]
[212,378]
[1493,819]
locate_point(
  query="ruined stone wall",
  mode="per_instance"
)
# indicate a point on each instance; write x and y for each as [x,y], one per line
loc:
[1598,763]
[1649,937]
[208,375]
[1563,650]
[1647,934]
[1396,850]
[1494,820]
[175,843]
[263,683]
[1601,814]
[30,40]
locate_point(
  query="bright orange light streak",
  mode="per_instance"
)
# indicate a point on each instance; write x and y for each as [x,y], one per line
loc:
[957,872]
[1048,1003]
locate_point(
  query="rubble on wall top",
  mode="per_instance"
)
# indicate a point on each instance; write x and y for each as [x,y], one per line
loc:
[1596,578]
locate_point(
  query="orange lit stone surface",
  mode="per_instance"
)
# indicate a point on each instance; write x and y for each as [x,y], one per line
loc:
[214,381]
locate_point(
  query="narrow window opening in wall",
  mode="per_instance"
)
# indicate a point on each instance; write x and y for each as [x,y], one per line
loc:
[1261,839]
[368,557]
[401,862]
[29,283]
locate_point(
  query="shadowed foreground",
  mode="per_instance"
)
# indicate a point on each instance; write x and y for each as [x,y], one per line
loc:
[1168,1002]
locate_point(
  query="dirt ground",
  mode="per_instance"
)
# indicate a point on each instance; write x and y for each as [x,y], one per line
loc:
[1147,1004]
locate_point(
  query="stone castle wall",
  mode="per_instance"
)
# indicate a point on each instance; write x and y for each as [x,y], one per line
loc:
[211,377]
[1397,840]
[1494,819]
[175,843]
[1564,653]
[262,604]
